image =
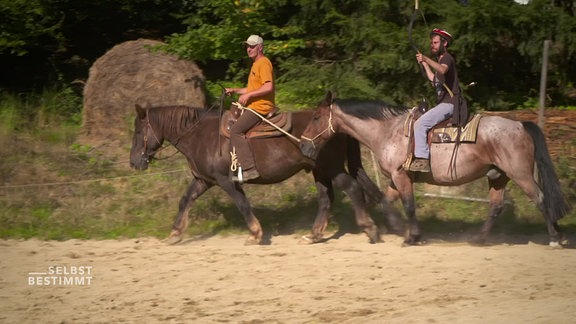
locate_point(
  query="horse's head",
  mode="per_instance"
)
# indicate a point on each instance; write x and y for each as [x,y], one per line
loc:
[145,142]
[319,129]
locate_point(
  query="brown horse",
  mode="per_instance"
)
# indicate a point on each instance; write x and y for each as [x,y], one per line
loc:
[504,150]
[196,134]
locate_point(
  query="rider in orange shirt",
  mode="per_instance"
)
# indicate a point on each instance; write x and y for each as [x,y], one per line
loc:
[258,96]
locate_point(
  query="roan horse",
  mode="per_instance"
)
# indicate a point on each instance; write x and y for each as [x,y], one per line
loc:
[195,133]
[504,150]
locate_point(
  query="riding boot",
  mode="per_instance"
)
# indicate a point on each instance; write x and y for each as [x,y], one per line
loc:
[241,147]
[244,175]
[250,174]
[420,165]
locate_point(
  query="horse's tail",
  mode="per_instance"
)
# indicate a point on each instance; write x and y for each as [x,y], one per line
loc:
[372,193]
[555,203]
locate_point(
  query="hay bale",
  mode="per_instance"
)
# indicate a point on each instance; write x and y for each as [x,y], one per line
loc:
[131,73]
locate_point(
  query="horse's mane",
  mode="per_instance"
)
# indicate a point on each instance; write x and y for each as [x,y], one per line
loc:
[178,118]
[370,109]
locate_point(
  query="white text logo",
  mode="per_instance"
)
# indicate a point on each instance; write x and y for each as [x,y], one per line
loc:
[62,276]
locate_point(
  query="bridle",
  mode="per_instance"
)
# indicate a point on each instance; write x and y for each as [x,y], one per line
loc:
[145,156]
[329,128]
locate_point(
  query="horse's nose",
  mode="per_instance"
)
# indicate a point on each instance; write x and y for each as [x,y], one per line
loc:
[308,149]
[139,165]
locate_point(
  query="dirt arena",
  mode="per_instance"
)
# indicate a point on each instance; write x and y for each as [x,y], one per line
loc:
[217,279]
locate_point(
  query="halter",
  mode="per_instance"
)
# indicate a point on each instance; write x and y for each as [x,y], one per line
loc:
[197,121]
[328,129]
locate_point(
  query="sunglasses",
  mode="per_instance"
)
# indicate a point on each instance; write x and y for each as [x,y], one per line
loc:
[251,46]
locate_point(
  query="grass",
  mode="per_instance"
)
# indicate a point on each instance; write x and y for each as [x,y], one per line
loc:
[55,188]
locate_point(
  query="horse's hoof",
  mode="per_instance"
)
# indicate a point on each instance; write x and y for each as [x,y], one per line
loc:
[373,235]
[251,241]
[555,245]
[413,241]
[173,239]
[306,240]
[374,240]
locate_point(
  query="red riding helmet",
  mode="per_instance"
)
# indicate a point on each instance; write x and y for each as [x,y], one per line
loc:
[443,34]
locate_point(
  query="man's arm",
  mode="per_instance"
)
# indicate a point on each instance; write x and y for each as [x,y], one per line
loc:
[440,68]
[264,89]
[239,91]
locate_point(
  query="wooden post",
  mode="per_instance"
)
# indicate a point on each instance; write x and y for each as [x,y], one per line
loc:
[542,101]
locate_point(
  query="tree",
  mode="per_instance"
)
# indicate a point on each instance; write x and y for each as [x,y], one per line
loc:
[358,48]
[48,41]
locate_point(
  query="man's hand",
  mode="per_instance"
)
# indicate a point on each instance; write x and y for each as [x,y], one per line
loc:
[243,99]
[422,59]
[419,58]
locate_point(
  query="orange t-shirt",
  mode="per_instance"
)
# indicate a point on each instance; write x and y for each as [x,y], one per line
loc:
[260,73]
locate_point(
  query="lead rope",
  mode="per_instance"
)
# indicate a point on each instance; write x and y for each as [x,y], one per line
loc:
[233,160]
[237,104]
[234,157]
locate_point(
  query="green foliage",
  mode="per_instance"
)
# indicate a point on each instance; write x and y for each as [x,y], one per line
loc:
[360,48]
[501,45]
[29,24]
[10,118]
[36,111]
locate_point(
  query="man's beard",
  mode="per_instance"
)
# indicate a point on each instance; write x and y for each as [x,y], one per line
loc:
[441,50]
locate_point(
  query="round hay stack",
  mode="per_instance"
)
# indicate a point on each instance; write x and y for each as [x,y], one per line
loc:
[132,73]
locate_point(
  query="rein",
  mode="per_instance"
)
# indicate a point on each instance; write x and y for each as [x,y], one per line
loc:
[329,128]
[411,39]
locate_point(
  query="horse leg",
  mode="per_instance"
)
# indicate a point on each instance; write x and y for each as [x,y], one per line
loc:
[403,185]
[325,200]
[554,232]
[497,188]
[393,216]
[351,187]
[235,191]
[531,188]
[413,236]
[373,194]
[391,194]
[196,188]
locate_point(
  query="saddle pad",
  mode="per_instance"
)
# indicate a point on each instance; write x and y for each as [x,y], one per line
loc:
[448,134]
[282,120]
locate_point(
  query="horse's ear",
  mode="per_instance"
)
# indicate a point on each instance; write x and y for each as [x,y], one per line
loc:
[140,111]
[329,97]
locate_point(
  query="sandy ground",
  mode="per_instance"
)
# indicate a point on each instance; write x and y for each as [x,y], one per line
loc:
[345,280]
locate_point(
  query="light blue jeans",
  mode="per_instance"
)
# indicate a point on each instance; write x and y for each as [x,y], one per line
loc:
[421,127]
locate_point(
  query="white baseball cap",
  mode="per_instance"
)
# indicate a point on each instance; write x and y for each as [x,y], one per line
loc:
[254,40]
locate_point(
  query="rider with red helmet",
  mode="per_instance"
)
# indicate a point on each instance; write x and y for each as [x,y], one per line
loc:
[441,72]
